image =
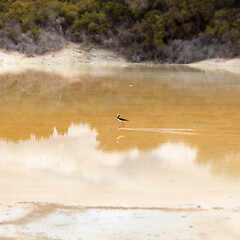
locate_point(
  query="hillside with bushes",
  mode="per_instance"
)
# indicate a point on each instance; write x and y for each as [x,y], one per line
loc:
[173,31]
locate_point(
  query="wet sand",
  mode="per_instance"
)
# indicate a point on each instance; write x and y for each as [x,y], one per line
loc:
[58,221]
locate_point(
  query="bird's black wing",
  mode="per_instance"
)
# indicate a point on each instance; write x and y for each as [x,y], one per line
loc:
[122,119]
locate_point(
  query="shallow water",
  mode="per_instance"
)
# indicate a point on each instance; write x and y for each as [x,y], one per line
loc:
[60,140]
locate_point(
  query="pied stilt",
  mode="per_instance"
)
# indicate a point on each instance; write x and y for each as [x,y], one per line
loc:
[122,120]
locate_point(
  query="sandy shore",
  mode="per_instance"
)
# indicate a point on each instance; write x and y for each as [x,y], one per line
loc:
[67,61]
[230,65]
[24,220]
[75,55]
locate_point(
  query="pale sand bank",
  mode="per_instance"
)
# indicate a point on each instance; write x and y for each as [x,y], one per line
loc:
[230,65]
[56,221]
[68,60]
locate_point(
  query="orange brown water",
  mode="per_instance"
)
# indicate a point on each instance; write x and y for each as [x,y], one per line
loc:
[60,141]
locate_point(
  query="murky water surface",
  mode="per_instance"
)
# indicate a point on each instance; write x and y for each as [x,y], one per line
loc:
[60,140]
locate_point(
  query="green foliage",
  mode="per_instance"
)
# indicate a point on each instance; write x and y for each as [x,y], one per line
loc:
[93,23]
[225,25]
[116,11]
[23,11]
[35,31]
[88,6]
[69,12]
[147,24]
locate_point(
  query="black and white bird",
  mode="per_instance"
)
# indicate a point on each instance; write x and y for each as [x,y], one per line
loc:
[122,120]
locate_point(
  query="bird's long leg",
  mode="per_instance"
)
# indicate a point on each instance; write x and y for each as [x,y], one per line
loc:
[121,125]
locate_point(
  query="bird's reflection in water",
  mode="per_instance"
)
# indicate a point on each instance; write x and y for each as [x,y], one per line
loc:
[119,137]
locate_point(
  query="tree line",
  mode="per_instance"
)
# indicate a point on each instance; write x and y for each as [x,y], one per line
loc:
[161,30]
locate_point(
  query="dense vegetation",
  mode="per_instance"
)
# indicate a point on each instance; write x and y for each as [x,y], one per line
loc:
[162,30]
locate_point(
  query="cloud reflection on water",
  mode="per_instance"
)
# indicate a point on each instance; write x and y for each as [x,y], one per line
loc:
[78,150]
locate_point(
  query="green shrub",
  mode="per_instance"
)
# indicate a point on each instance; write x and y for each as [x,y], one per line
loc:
[69,12]
[36,32]
[116,11]
[23,11]
[93,23]
[141,25]
[225,25]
